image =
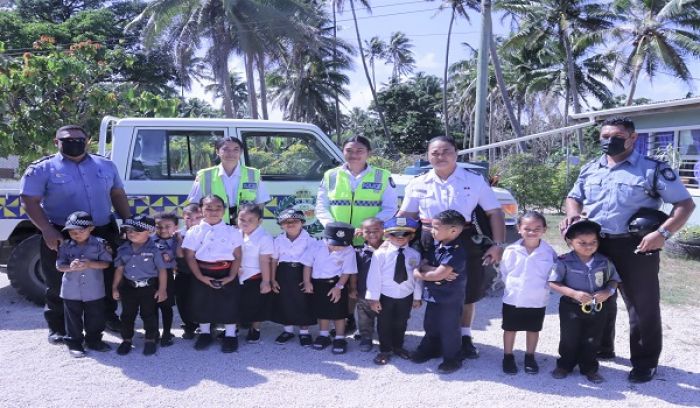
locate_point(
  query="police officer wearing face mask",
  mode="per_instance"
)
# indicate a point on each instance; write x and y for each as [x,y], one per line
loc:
[55,186]
[611,189]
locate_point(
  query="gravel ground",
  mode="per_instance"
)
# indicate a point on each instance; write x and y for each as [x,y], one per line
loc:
[36,374]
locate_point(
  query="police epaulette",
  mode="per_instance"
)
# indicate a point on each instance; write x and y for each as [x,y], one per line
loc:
[655,160]
[42,159]
[473,171]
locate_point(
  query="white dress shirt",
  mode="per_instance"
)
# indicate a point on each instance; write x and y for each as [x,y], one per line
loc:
[380,279]
[526,275]
[326,264]
[292,251]
[389,198]
[231,185]
[212,243]
[256,244]
[428,195]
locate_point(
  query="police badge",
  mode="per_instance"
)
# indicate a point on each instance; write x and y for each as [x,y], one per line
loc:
[599,278]
[340,234]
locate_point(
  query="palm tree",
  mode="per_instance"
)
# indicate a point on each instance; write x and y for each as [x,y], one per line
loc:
[239,94]
[375,49]
[399,53]
[656,34]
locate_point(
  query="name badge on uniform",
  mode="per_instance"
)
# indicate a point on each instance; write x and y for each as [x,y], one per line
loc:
[599,278]
[250,186]
[372,186]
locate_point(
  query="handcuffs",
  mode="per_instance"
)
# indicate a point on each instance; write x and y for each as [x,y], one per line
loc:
[591,307]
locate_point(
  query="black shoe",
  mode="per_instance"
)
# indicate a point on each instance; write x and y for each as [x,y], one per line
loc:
[76,351]
[149,348]
[350,325]
[560,373]
[357,336]
[402,353]
[366,345]
[531,366]
[114,325]
[605,355]
[322,342]
[449,367]
[382,358]
[595,377]
[284,337]
[509,366]
[188,334]
[641,375]
[468,349]
[56,337]
[166,340]
[203,341]
[124,348]
[340,346]
[100,346]
[253,336]
[305,340]
[229,345]
[420,357]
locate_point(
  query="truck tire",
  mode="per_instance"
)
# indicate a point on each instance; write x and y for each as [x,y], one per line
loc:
[24,270]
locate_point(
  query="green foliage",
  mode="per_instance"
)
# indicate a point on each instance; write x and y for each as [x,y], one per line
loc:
[53,88]
[395,166]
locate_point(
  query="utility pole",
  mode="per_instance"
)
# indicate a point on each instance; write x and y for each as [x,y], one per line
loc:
[335,66]
[482,74]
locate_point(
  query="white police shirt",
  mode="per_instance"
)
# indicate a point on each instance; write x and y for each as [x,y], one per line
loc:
[287,250]
[526,275]
[326,264]
[212,243]
[231,185]
[428,195]
[256,244]
[380,278]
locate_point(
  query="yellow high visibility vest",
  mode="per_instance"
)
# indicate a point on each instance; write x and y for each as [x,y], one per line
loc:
[210,183]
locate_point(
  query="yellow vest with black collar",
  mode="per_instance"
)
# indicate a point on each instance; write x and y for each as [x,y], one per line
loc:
[210,183]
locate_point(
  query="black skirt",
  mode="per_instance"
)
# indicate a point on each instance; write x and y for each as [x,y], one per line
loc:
[322,306]
[253,306]
[292,307]
[209,305]
[522,318]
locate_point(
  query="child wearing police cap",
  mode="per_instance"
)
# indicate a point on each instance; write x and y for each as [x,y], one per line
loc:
[140,282]
[291,306]
[82,260]
[585,279]
[391,289]
[328,265]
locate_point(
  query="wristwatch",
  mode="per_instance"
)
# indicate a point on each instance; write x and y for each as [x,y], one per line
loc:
[664,232]
[339,286]
[501,245]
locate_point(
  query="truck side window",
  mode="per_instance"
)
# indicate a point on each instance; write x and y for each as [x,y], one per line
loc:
[286,155]
[162,154]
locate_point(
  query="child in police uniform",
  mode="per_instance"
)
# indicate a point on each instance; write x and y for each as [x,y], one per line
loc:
[254,275]
[82,260]
[290,306]
[585,279]
[213,253]
[391,289]
[140,281]
[372,233]
[192,215]
[327,266]
[525,267]
[445,279]
[167,242]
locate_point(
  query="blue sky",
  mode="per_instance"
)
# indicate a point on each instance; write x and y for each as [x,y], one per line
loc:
[426,26]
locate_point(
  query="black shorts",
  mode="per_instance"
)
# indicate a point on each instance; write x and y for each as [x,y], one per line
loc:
[323,308]
[522,318]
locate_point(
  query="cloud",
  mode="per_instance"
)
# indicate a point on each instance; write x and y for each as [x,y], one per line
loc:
[427,62]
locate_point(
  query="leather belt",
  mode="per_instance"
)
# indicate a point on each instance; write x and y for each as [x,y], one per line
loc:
[605,235]
[141,283]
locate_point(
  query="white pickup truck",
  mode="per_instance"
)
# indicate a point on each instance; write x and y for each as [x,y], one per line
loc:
[158,159]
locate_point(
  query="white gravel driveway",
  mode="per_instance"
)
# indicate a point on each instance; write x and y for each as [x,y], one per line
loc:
[36,374]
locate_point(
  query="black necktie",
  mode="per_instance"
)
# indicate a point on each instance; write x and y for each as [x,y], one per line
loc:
[400,273]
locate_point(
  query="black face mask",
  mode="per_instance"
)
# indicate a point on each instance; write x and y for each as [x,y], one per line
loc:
[73,147]
[612,146]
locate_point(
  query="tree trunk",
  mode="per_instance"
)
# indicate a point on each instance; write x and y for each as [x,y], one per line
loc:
[250,81]
[514,123]
[633,81]
[390,143]
[571,76]
[222,77]
[445,114]
[335,57]
[263,86]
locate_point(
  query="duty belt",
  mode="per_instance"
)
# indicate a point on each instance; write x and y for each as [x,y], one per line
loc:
[605,235]
[141,283]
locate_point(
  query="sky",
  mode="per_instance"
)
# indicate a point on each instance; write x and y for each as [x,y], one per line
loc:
[426,26]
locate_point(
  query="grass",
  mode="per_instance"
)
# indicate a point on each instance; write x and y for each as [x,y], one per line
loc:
[679,278]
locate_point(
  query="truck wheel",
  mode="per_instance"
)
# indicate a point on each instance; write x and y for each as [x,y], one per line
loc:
[24,270]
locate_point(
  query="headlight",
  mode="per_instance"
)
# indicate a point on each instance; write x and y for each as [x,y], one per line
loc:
[510,209]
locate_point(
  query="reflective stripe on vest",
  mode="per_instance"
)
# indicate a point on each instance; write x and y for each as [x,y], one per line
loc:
[247,187]
[364,202]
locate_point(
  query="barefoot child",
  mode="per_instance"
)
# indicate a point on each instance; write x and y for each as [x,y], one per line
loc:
[291,306]
[192,215]
[167,243]
[372,233]
[525,267]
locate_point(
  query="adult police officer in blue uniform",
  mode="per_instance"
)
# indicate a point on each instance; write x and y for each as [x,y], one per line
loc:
[611,189]
[56,186]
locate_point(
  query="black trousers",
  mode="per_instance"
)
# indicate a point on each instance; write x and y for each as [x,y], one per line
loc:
[79,316]
[580,335]
[392,322]
[442,330]
[139,301]
[641,294]
[183,281]
[53,306]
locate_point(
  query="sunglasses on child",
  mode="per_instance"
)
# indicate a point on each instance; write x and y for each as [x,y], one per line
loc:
[399,234]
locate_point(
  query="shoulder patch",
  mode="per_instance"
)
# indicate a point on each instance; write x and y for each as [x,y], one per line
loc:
[654,160]
[668,174]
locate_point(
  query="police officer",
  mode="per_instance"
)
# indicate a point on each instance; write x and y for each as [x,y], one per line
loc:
[55,186]
[235,183]
[447,187]
[611,189]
